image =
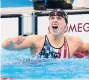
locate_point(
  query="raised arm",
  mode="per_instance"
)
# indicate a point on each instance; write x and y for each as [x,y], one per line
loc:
[20,42]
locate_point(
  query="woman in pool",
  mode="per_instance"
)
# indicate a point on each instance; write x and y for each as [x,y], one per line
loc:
[53,45]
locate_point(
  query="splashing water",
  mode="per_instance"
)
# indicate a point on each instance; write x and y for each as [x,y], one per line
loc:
[20,64]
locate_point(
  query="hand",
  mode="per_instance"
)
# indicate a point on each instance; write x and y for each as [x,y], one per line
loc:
[19,39]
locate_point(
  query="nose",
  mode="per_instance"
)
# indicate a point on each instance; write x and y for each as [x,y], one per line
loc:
[55,20]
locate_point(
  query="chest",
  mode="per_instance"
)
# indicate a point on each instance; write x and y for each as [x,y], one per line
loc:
[49,51]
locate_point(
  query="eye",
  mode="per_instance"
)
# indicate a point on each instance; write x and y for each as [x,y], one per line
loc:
[52,17]
[59,18]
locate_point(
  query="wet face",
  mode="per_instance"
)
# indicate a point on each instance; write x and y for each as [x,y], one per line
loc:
[57,24]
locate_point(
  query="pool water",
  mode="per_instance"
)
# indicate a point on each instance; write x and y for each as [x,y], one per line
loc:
[20,64]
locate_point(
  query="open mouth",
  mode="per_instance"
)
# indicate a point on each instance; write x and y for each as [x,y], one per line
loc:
[54,27]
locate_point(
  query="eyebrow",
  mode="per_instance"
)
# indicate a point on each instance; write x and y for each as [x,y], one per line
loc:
[56,16]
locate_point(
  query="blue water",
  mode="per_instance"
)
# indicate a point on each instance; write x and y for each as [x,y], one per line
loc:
[20,64]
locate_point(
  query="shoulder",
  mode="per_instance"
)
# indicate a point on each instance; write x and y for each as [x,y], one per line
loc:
[74,39]
[76,43]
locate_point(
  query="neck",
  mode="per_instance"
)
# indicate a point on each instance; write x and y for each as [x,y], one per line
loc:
[56,39]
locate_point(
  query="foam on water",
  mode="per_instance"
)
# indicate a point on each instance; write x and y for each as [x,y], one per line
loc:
[21,64]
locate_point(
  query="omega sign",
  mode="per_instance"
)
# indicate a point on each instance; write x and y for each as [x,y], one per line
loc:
[80,27]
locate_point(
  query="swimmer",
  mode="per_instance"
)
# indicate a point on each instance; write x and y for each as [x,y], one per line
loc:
[53,45]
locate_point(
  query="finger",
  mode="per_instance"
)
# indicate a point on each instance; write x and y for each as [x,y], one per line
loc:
[22,38]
